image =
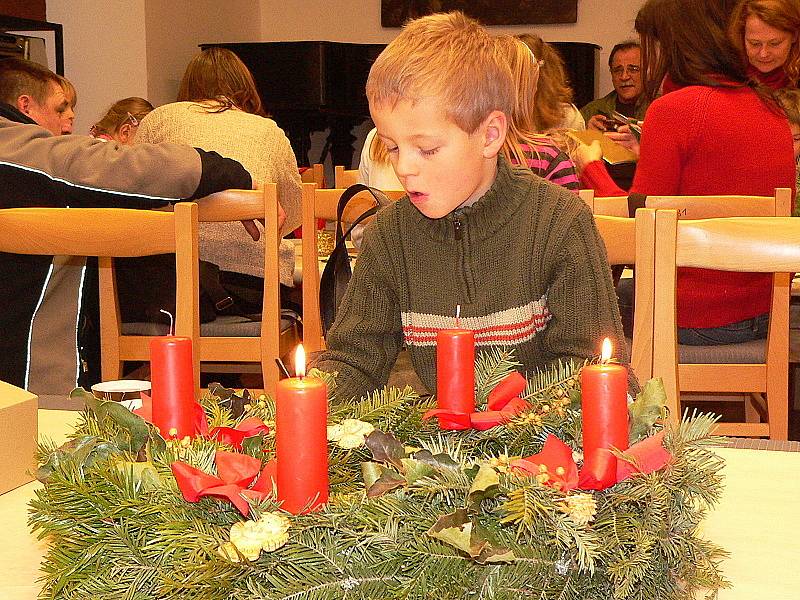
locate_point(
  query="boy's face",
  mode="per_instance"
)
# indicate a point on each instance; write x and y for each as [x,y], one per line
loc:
[795,129]
[440,165]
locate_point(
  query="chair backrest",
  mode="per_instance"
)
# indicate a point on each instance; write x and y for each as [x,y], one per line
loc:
[314,174]
[344,178]
[698,207]
[238,205]
[322,204]
[630,241]
[114,232]
[613,206]
[745,244]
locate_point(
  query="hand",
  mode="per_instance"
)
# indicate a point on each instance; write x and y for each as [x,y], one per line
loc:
[281,216]
[624,137]
[597,122]
[251,228]
[584,155]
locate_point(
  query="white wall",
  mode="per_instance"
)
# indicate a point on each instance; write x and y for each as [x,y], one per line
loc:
[104,52]
[603,22]
[176,27]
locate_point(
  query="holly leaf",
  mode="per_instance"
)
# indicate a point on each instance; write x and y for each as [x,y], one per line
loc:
[134,426]
[386,448]
[388,481]
[485,485]
[437,461]
[415,469]
[647,408]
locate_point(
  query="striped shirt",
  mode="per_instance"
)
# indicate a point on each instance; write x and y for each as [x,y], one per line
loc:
[548,162]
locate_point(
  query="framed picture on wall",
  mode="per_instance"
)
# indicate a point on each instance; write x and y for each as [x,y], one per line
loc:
[489,12]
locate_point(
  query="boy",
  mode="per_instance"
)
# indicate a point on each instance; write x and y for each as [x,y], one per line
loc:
[521,256]
[789,99]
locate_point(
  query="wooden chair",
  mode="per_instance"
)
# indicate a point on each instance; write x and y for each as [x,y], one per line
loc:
[344,178]
[116,232]
[237,340]
[745,244]
[614,206]
[630,241]
[314,174]
[322,204]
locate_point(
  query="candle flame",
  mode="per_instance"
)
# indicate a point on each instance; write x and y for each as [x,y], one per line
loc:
[605,354]
[300,361]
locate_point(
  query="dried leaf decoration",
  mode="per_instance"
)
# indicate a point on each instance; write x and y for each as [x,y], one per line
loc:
[485,485]
[437,461]
[456,530]
[647,408]
[388,481]
[386,448]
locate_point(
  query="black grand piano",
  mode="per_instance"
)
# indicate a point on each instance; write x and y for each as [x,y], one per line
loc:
[314,86]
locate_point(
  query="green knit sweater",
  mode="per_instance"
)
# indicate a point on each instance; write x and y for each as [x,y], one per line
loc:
[525,262]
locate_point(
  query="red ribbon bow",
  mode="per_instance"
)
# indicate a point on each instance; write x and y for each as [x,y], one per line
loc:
[235,473]
[504,403]
[649,454]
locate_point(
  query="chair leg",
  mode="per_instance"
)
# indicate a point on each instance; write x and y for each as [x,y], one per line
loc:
[778,407]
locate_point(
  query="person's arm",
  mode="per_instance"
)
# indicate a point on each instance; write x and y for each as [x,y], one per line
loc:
[365,339]
[593,173]
[287,178]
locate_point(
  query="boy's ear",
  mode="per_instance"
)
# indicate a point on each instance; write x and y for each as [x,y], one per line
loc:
[495,128]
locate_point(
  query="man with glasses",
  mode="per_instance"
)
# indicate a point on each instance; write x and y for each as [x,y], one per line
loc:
[40,167]
[625,63]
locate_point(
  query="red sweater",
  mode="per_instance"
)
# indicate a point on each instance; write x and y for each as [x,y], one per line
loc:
[710,141]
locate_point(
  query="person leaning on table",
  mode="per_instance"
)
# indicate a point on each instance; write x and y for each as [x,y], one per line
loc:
[40,167]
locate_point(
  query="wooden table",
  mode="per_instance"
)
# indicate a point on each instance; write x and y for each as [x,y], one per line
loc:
[757,521]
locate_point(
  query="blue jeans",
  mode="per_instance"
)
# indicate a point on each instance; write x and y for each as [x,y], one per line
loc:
[733,333]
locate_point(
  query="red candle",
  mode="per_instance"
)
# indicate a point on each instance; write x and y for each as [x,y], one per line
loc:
[172,381]
[301,440]
[455,373]
[604,397]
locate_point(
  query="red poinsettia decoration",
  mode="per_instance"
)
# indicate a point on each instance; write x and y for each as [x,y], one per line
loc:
[238,476]
[555,466]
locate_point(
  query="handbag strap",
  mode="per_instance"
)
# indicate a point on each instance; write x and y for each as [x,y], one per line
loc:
[356,188]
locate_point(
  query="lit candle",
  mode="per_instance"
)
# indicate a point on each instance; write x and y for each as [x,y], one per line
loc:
[455,372]
[301,440]
[172,382]
[604,397]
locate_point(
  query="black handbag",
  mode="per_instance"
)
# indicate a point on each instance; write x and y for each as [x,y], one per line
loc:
[336,274]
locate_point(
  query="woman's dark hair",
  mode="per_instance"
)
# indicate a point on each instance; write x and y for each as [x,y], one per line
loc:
[218,74]
[686,39]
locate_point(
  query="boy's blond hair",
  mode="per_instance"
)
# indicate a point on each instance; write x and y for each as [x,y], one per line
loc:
[450,57]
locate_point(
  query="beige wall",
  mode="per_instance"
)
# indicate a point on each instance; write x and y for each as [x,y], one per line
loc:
[176,27]
[104,52]
[603,22]
[119,48]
